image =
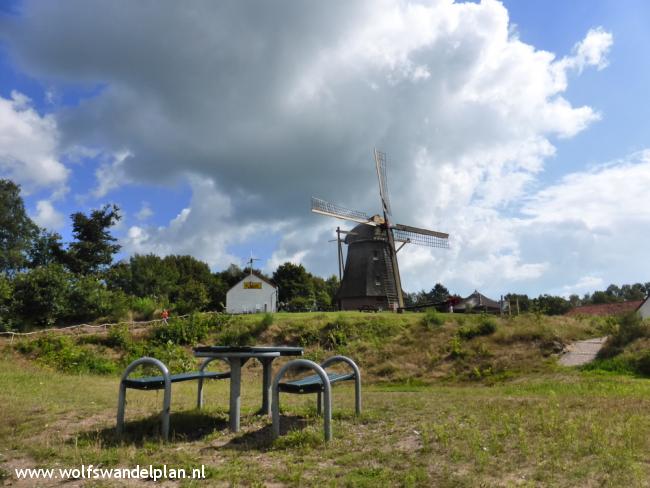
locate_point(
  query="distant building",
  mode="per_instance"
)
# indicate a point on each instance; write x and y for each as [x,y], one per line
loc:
[604,309]
[253,294]
[644,308]
[476,302]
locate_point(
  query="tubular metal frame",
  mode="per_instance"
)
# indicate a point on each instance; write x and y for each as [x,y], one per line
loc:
[167,398]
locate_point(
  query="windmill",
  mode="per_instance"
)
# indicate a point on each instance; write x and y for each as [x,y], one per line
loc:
[371,276]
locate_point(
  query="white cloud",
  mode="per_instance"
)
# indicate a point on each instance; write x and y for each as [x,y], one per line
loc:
[203,229]
[111,174]
[47,216]
[29,145]
[264,119]
[602,198]
[145,212]
[593,49]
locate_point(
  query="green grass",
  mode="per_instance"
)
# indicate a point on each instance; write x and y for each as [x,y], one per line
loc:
[561,429]
[448,401]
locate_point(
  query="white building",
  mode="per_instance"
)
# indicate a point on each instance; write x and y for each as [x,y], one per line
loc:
[251,295]
[644,308]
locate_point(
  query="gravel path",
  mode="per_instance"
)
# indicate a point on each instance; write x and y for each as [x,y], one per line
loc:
[582,352]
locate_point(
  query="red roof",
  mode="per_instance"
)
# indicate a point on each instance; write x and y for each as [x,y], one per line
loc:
[606,308]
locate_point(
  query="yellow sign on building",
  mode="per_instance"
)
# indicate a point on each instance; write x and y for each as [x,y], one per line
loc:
[252,285]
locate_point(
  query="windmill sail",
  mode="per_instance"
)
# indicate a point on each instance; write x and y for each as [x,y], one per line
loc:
[380,163]
[333,210]
[423,237]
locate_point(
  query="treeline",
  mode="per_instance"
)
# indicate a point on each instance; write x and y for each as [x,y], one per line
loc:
[556,305]
[545,304]
[44,282]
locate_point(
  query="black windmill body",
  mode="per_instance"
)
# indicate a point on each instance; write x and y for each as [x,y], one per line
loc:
[371,276]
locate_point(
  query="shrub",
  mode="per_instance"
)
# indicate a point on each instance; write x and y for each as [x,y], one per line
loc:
[40,296]
[267,320]
[432,319]
[62,353]
[192,296]
[119,337]
[486,326]
[236,332]
[87,300]
[182,331]
[143,307]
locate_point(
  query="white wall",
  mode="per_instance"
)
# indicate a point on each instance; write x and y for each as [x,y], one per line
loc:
[245,298]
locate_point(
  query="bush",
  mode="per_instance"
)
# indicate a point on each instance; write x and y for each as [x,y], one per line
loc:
[143,307]
[432,319]
[87,300]
[236,332]
[486,326]
[630,328]
[62,353]
[40,296]
[182,331]
[191,296]
[119,337]
[267,320]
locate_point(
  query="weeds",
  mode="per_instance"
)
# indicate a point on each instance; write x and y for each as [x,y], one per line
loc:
[432,319]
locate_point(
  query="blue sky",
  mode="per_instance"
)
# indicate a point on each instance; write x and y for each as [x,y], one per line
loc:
[211,129]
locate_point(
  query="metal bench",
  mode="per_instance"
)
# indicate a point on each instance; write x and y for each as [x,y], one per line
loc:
[163,382]
[320,383]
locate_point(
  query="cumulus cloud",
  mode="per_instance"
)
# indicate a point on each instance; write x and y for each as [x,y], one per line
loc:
[145,212]
[111,174]
[29,145]
[263,105]
[203,229]
[47,216]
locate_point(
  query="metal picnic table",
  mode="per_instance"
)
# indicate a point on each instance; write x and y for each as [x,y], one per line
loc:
[237,357]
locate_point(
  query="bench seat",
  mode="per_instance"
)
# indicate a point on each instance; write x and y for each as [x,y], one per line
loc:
[313,383]
[158,382]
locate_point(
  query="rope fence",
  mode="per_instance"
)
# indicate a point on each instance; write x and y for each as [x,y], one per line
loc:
[131,324]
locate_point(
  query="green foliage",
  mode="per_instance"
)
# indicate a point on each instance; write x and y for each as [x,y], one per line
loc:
[183,331]
[299,439]
[432,319]
[192,296]
[237,332]
[119,337]
[630,328]
[143,307]
[486,326]
[16,229]
[293,281]
[94,246]
[62,353]
[456,348]
[267,320]
[40,296]
[87,299]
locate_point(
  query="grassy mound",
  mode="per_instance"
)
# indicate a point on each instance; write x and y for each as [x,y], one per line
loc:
[409,347]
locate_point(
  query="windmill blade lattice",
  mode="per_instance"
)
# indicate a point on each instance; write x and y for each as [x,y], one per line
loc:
[380,163]
[323,207]
[429,239]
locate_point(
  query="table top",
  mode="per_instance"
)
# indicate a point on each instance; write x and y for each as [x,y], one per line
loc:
[249,350]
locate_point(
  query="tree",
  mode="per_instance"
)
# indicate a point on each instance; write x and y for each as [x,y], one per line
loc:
[438,294]
[40,296]
[16,229]
[94,246]
[152,276]
[293,281]
[46,249]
